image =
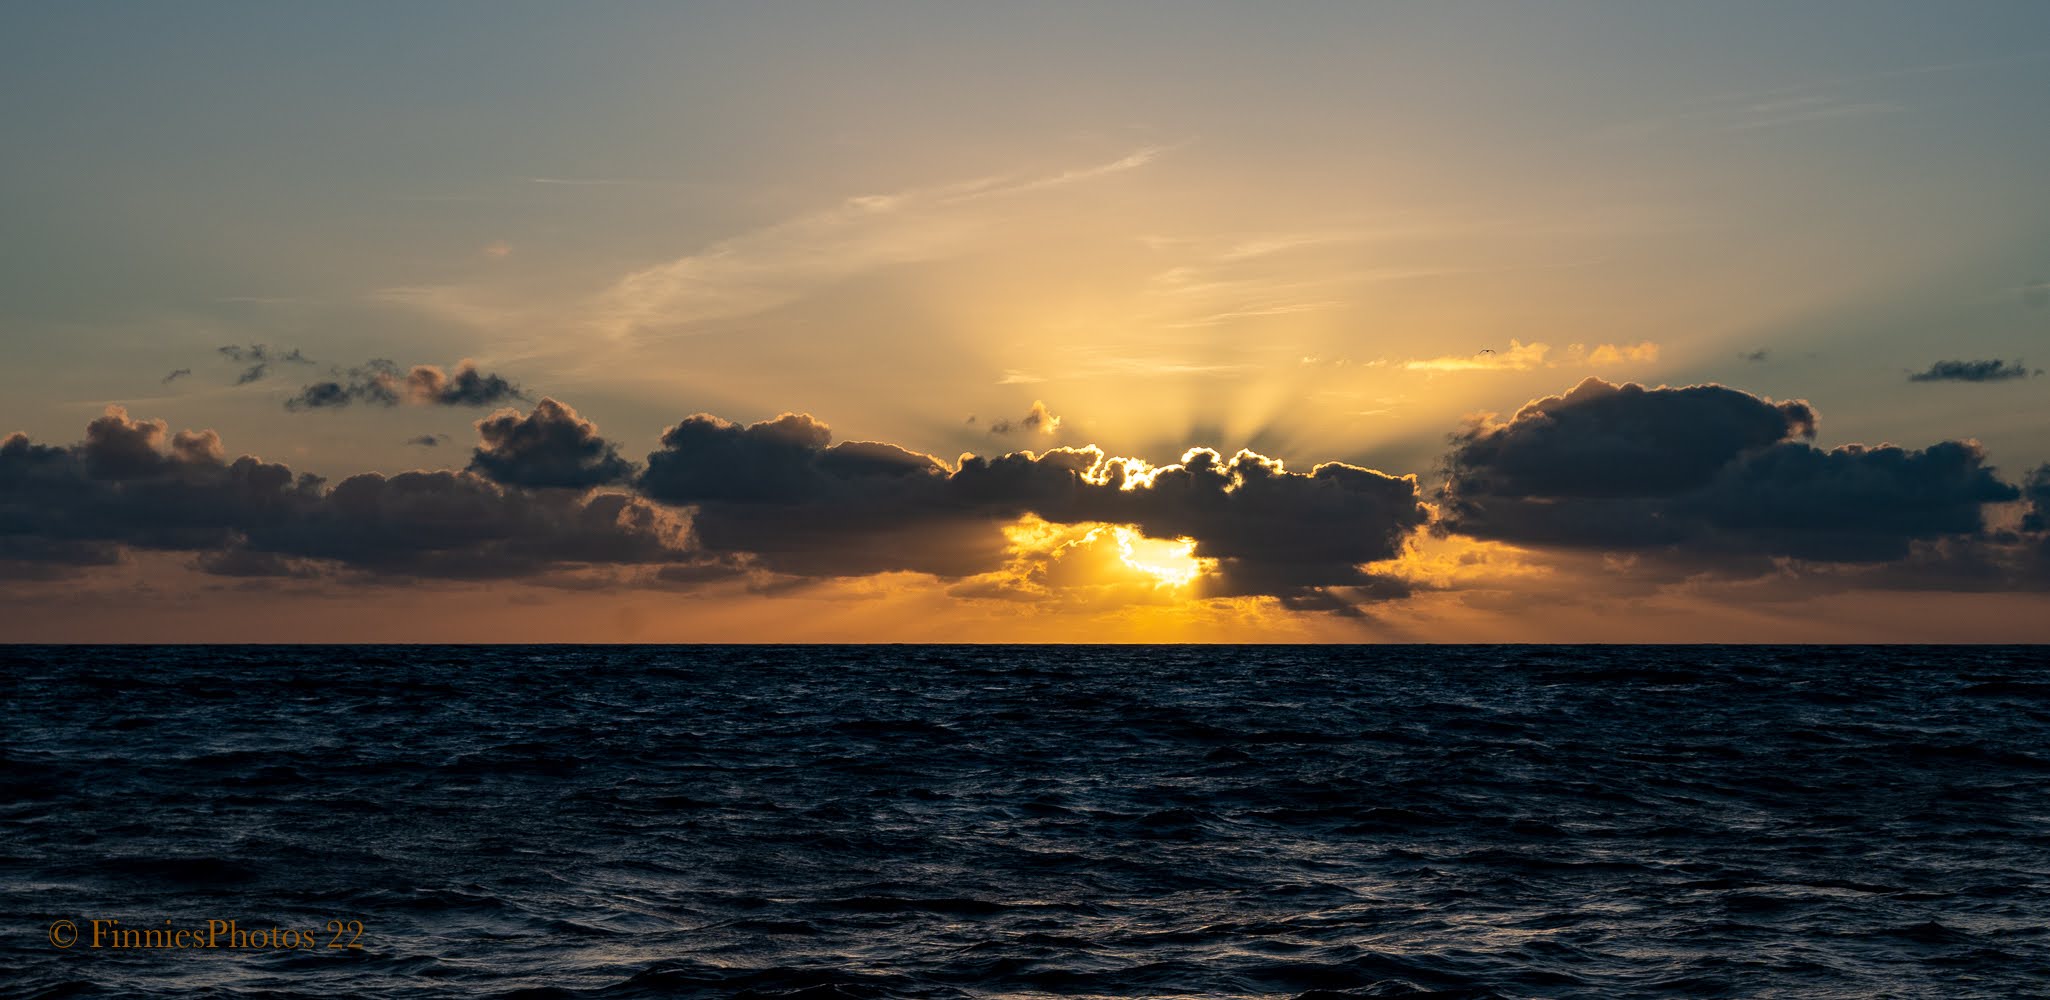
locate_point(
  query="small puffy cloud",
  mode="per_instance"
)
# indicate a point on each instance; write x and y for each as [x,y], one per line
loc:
[1038,420]
[379,382]
[1604,355]
[1970,371]
[466,386]
[427,440]
[259,358]
[261,353]
[175,375]
[551,447]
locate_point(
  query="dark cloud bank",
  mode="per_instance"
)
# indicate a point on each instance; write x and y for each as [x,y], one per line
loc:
[130,484]
[1703,473]
[781,491]
[1706,470]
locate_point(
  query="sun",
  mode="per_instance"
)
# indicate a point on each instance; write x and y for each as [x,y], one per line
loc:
[1169,563]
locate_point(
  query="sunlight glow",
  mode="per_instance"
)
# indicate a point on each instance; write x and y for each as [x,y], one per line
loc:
[1170,563]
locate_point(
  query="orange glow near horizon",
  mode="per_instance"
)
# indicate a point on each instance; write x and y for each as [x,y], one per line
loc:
[1170,563]
[1095,565]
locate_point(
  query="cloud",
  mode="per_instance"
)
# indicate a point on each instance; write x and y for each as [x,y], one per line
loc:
[466,387]
[1804,109]
[2036,490]
[259,358]
[1705,470]
[175,375]
[1603,355]
[1038,420]
[781,490]
[1850,504]
[117,447]
[1970,371]
[778,264]
[1602,439]
[1086,566]
[379,382]
[1234,279]
[1650,486]
[427,440]
[1094,363]
[551,447]
[1290,535]
[132,485]
[1521,357]
[1755,357]
[776,489]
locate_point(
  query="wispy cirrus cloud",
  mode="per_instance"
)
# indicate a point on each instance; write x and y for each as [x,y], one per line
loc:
[781,263]
[1810,102]
[1097,364]
[1971,371]
[1803,109]
[1216,280]
[1526,357]
[464,306]
[1519,357]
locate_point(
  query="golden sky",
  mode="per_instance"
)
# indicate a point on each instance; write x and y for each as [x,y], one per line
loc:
[1167,322]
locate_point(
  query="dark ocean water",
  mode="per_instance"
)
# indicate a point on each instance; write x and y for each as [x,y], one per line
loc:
[888,822]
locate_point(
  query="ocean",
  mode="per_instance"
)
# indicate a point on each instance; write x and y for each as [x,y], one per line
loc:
[555,822]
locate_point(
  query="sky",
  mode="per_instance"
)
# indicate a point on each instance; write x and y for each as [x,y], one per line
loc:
[1185,321]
